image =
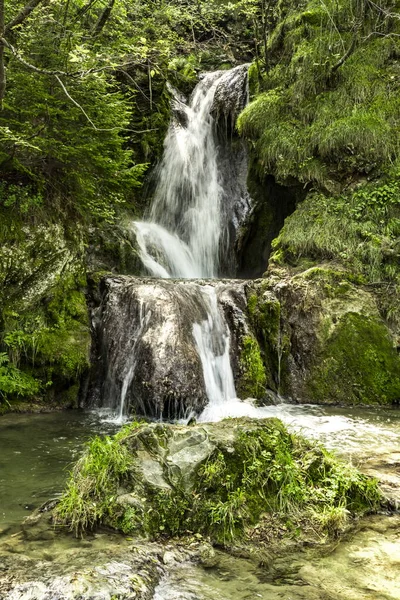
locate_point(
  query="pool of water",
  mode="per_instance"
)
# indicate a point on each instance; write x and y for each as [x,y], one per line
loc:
[36,451]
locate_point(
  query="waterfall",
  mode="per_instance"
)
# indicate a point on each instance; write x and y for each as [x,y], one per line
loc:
[188,230]
[167,345]
[213,343]
[186,233]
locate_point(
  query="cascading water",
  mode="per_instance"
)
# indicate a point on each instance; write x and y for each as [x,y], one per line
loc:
[189,234]
[213,343]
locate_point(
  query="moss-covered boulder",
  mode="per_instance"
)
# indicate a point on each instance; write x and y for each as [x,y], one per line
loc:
[323,339]
[357,363]
[240,478]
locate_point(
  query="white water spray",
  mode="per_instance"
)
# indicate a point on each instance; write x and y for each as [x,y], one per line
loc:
[213,345]
[187,230]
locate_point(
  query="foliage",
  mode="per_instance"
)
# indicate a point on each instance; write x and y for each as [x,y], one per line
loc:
[14,382]
[361,229]
[253,380]
[315,121]
[93,483]
[86,108]
[265,469]
[50,340]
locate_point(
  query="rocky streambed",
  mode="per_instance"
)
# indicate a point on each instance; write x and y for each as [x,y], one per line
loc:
[42,563]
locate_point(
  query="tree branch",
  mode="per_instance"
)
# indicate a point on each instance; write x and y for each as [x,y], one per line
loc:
[5,44]
[75,102]
[53,73]
[357,27]
[22,15]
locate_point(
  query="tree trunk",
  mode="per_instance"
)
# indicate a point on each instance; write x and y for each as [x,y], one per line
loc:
[105,15]
[2,65]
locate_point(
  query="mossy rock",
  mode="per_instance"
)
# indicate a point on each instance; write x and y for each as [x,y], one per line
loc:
[233,480]
[46,344]
[357,365]
[253,380]
[339,350]
[265,319]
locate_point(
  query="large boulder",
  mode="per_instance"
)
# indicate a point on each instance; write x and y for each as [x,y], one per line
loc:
[146,357]
[240,478]
[323,339]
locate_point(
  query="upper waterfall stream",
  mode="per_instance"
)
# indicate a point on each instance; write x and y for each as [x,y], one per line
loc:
[187,233]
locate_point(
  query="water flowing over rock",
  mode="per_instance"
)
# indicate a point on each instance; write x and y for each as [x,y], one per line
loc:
[164,347]
[201,197]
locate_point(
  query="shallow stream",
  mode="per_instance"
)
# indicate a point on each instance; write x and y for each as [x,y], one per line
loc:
[36,451]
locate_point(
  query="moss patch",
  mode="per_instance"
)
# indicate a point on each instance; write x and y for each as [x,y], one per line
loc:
[264,311]
[253,380]
[46,346]
[219,480]
[357,365]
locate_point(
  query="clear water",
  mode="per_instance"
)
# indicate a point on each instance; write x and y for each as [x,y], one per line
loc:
[36,452]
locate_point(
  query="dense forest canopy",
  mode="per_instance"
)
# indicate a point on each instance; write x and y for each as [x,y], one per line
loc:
[84,100]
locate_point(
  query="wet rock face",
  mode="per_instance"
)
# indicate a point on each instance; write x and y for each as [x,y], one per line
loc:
[231,94]
[145,354]
[105,567]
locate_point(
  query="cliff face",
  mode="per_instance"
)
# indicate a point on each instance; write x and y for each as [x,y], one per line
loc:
[321,129]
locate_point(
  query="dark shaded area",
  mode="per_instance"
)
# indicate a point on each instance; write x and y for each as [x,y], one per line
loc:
[273,203]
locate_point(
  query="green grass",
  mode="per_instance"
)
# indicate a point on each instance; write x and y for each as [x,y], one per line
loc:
[93,484]
[316,124]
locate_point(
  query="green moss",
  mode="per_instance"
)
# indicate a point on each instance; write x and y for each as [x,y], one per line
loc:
[264,313]
[48,344]
[253,379]
[318,123]
[262,470]
[357,364]
[359,230]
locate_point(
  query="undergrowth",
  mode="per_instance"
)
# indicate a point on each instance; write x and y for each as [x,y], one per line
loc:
[361,229]
[318,122]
